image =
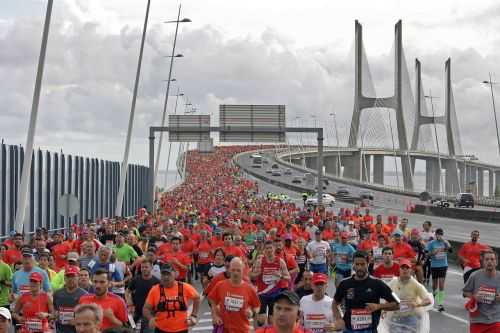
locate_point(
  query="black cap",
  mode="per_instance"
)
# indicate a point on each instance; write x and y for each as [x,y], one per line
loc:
[439,231]
[167,268]
[317,232]
[27,252]
[289,295]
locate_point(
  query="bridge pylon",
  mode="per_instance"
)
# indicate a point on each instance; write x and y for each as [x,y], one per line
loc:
[395,102]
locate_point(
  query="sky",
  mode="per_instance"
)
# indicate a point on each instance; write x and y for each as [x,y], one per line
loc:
[291,52]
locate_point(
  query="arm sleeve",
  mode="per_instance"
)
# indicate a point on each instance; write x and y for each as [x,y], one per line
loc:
[339,293]
[121,311]
[470,285]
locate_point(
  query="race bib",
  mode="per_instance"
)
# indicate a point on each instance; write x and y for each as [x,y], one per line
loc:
[361,319]
[387,278]
[66,315]
[377,252]
[342,258]
[315,322]
[441,254]
[269,279]
[486,295]
[232,303]
[34,324]
[405,306]
[203,255]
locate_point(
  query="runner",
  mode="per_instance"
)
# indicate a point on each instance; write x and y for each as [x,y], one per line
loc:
[316,309]
[411,316]
[66,299]
[305,285]
[21,278]
[389,269]
[137,291]
[483,288]
[88,318]
[470,253]
[318,251]
[271,277]
[233,301]
[5,279]
[438,250]
[427,235]
[34,309]
[166,307]
[113,307]
[287,315]
[343,258]
[361,295]
[5,320]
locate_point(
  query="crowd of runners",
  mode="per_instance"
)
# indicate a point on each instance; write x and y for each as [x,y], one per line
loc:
[262,263]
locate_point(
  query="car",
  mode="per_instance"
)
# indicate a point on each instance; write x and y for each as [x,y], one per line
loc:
[265,161]
[342,191]
[288,171]
[366,195]
[297,180]
[256,165]
[269,171]
[255,156]
[328,200]
[464,200]
[276,172]
[275,166]
[438,202]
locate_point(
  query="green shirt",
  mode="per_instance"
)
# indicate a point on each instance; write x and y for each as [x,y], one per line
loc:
[5,275]
[125,253]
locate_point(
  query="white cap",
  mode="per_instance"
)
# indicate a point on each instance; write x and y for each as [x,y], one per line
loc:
[4,312]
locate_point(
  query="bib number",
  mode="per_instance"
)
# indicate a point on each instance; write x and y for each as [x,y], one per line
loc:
[66,315]
[233,303]
[361,319]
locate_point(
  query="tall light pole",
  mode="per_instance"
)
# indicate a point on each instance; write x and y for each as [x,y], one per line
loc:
[124,166]
[491,83]
[431,98]
[28,154]
[334,116]
[164,113]
[170,143]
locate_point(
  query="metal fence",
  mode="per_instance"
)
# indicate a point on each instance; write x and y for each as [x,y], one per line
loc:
[93,181]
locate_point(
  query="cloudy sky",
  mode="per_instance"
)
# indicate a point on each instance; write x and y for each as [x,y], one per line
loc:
[260,52]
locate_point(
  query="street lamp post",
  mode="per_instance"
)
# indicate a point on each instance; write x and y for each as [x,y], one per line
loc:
[164,113]
[491,83]
[124,166]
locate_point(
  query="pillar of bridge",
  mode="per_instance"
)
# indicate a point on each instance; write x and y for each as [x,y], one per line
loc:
[312,162]
[491,189]
[378,169]
[432,174]
[451,179]
[366,168]
[297,161]
[497,180]
[480,182]
[352,166]
[462,177]
[332,166]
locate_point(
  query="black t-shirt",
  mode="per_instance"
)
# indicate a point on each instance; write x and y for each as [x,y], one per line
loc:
[140,288]
[356,293]
[107,238]
[301,292]
[419,249]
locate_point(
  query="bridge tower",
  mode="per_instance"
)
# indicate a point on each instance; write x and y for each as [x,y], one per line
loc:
[449,120]
[395,102]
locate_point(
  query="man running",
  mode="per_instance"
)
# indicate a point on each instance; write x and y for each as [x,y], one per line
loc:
[233,301]
[389,269]
[66,299]
[438,250]
[286,315]
[483,287]
[470,253]
[361,295]
[316,309]
[342,254]
[319,253]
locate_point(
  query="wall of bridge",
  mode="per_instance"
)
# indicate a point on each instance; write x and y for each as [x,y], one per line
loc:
[93,181]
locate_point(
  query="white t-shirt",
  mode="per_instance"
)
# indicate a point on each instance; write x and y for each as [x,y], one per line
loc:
[311,230]
[318,250]
[214,270]
[316,314]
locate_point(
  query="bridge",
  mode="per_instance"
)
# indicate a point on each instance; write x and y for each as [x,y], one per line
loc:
[415,138]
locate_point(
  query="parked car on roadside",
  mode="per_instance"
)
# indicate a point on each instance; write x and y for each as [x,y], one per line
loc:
[464,200]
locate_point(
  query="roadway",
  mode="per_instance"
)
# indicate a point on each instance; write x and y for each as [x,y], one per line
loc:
[391,204]
[452,320]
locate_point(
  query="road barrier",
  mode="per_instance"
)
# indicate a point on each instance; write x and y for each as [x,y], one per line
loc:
[459,213]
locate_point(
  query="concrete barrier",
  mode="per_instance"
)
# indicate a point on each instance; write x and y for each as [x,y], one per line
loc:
[458,213]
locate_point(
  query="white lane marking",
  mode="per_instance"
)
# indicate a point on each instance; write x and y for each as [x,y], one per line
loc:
[452,316]
[455,272]
[208,313]
[202,328]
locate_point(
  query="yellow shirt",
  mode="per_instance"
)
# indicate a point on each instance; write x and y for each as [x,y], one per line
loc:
[411,291]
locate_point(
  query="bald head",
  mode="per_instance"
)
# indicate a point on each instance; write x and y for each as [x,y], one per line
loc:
[236,270]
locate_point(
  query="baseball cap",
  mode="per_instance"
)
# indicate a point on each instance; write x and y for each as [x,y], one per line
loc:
[288,237]
[167,268]
[290,296]
[317,232]
[397,233]
[344,235]
[35,276]
[404,262]
[27,252]
[319,278]
[4,312]
[71,270]
[439,231]
[73,256]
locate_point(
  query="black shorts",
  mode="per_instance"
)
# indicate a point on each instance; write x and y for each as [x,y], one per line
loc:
[203,269]
[438,272]
[267,302]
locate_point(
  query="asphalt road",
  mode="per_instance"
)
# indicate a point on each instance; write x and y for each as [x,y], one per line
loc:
[393,204]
